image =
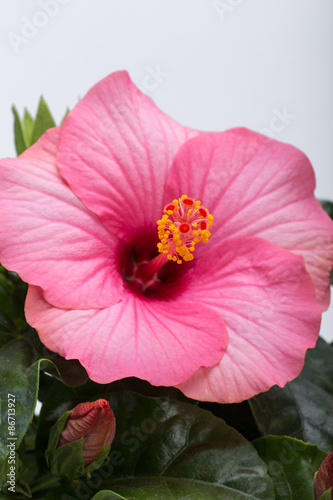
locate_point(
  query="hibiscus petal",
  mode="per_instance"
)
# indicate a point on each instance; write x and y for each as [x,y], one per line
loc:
[267,301]
[153,340]
[115,150]
[255,186]
[49,237]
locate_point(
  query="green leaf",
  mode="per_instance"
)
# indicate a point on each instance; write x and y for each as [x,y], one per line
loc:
[8,331]
[327,495]
[54,436]
[172,489]
[43,121]
[170,444]
[28,124]
[303,409]
[58,398]
[64,492]
[107,495]
[237,415]
[69,461]
[19,376]
[328,207]
[69,371]
[10,470]
[291,464]
[277,413]
[98,461]
[20,140]
[12,297]
[6,324]
[29,471]
[169,449]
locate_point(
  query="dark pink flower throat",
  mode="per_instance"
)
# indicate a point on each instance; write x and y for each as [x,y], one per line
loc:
[184,223]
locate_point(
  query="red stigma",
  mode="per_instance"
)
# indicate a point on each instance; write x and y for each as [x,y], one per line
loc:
[184,228]
[183,225]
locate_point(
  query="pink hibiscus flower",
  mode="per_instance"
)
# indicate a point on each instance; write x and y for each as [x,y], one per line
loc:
[79,224]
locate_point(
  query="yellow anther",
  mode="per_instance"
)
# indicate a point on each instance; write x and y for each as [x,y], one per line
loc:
[179,228]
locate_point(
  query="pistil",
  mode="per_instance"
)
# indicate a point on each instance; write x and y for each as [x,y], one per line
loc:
[145,273]
[184,224]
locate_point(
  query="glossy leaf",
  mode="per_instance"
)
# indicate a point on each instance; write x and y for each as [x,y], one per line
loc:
[8,331]
[303,409]
[69,464]
[237,415]
[169,449]
[181,444]
[108,495]
[12,297]
[71,372]
[6,324]
[172,489]
[291,464]
[19,375]
[20,485]
[58,398]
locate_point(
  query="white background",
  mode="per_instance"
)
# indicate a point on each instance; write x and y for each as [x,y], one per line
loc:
[210,64]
